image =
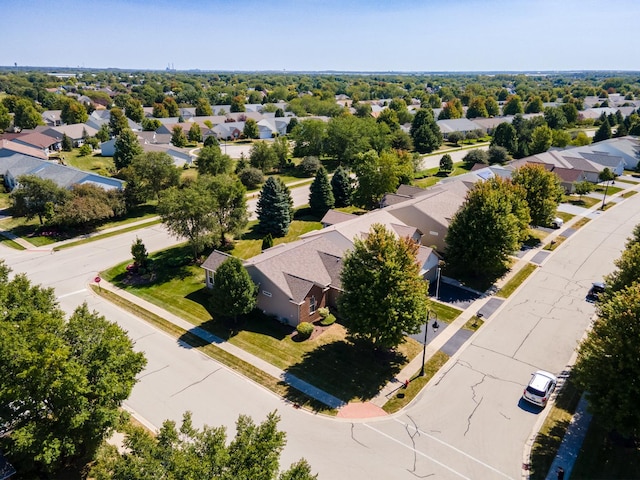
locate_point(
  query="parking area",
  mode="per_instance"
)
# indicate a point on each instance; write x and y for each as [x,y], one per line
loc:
[456,296]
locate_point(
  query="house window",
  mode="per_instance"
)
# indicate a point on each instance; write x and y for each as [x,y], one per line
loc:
[313,305]
[266,294]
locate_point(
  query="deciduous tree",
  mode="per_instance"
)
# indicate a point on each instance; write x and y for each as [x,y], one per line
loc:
[608,359]
[73,112]
[188,452]
[384,297]
[543,191]
[446,164]
[309,137]
[425,132]
[61,382]
[263,157]
[126,147]
[251,129]
[505,135]
[178,138]
[149,174]
[379,174]
[36,196]
[487,229]
[233,292]
[211,161]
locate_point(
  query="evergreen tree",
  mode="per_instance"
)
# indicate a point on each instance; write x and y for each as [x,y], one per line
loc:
[505,135]
[321,196]
[66,143]
[603,133]
[267,242]
[139,253]
[275,207]
[425,132]
[233,292]
[341,188]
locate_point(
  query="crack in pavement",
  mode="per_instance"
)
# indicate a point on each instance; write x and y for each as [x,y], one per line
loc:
[508,418]
[473,389]
[354,438]
[143,336]
[196,382]
[152,372]
[413,442]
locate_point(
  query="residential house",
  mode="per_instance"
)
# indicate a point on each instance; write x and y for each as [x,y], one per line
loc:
[462,125]
[334,216]
[75,132]
[51,118]
[9,148]
[40,141]
[295,279]
[431,212]
[13,166]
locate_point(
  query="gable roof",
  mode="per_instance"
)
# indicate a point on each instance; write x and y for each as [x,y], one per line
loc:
[334,216]
[37,140]
[295,267]
[63,176]
[9,148]
[216,259]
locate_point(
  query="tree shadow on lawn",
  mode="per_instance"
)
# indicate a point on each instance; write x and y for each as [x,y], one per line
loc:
[349,371]
[545,449]
[225,328]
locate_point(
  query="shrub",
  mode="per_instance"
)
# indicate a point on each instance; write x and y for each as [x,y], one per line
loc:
[310,166]
[251,177]
[323,312]
[304,329]
[328,320]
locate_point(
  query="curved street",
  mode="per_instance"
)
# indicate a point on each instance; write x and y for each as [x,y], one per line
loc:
[467,423]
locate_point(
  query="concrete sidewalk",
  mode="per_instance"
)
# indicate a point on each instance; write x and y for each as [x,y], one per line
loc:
[571,442]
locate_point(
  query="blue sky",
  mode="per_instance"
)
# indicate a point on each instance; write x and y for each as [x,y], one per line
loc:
[317,35]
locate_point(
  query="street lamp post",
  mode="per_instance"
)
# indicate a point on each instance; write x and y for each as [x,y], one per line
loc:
[438,282]
[606,188]
[435,327]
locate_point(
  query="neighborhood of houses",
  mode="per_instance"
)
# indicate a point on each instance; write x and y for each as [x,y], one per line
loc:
[295,279]
[298,278]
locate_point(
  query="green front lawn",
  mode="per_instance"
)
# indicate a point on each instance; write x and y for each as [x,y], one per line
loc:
[95,163]
[179,288]
[250,244]
[585,202]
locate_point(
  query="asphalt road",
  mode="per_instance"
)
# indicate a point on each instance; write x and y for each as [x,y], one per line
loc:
[468,423]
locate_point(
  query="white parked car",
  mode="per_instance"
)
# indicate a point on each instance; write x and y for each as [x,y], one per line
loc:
[557,222]
[540,388]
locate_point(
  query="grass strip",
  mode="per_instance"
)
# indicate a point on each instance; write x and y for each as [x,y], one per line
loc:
[213,351]
[553,244]
[553,429]
[12,244]
[405,395]
[473,324]
[516,280]
[102,236]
